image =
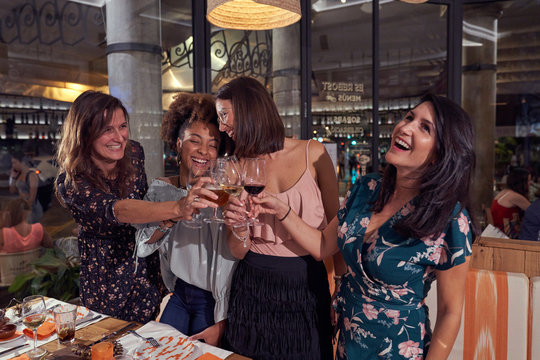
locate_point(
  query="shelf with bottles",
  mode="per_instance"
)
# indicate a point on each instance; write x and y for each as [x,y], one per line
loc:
[26,117]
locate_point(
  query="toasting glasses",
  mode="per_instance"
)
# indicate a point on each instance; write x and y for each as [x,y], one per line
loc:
[254,179]
[193,176]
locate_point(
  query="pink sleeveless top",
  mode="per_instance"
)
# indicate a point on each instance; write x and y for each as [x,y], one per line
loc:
[305,199]
[14,242]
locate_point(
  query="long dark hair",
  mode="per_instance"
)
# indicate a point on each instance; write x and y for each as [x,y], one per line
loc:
[446,181]
[89,114]
[258,127]
[518,180]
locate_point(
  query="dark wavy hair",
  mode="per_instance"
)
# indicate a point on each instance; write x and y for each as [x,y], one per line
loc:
[89,114]
[518,180]
[444,182]
[258,127]
[186,109]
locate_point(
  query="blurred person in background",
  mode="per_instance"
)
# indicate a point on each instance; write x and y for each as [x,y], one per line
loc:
[25,182]
[17,234]
[511,202]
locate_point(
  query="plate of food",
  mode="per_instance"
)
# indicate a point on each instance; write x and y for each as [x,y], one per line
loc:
[15,336]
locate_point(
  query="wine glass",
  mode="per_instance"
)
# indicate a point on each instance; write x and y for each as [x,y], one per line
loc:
[231,180]
[254,179]
[34,312]
[217,173]
[193,176]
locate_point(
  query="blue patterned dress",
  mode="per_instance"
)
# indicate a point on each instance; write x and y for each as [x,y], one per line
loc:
[381,298]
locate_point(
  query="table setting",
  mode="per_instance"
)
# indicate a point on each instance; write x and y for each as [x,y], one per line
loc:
[104,338]
[21,340]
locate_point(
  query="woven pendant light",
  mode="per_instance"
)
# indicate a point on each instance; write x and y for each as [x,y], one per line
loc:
[414,1]
[253,14]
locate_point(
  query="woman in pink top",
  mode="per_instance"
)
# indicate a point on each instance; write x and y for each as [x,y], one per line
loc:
[22,236]
[280,302]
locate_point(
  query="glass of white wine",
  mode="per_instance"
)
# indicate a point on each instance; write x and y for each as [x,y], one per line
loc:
[34,312]
[231,179]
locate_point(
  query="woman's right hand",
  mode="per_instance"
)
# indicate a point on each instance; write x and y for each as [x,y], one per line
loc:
[196,199]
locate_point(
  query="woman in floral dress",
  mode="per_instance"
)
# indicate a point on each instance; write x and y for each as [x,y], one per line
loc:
[399,232]
[101,182]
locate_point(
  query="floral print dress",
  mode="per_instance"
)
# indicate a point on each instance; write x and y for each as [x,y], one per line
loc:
[110,281]
[381,298]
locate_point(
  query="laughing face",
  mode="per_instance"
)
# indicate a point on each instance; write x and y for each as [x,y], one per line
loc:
[225,113]
[413,139]
[110,146]
[199,145]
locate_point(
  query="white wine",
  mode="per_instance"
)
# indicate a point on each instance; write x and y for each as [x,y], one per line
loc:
[33,321]
[233,190]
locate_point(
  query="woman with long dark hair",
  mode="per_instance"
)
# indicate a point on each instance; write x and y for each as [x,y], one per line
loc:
[398,233]
[102,182]
[510,203]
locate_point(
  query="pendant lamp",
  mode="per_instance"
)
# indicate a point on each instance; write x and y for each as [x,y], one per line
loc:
[253,14]
[414,1]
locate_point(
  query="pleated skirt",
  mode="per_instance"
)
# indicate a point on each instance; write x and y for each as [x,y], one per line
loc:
[279,309]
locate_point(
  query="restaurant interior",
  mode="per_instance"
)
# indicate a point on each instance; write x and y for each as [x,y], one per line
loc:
[343,74]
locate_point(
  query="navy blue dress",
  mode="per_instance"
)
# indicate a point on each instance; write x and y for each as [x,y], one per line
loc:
[109,283]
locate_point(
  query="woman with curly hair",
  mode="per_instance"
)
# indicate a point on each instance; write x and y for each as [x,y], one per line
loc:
[196,264]
[102,182]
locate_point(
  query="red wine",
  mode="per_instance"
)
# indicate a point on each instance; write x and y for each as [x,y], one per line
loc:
[254,189]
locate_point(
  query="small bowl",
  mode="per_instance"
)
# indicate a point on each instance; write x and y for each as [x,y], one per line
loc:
[7,330]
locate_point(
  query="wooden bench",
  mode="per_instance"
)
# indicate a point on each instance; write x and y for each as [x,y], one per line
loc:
[521,256]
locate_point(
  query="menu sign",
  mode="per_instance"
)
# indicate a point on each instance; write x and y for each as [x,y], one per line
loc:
[342,91]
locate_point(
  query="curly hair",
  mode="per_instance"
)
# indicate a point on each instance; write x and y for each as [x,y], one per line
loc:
[186,109]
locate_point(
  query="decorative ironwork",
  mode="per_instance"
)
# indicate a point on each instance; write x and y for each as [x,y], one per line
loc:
[250,56]
[50,22]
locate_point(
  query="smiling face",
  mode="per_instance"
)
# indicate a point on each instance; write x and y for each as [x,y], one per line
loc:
[110,146]
[225,117]
[413,140]
[198,146]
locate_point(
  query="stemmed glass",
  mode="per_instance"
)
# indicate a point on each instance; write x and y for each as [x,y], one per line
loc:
[217,174]
[34,312]
[254,179]
[193,176]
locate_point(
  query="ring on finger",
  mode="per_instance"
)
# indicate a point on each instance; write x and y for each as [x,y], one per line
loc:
[196,199]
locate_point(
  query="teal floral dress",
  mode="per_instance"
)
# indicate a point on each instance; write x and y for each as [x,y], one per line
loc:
[381,298]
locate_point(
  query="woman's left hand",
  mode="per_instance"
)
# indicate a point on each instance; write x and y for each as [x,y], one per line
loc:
[266,203]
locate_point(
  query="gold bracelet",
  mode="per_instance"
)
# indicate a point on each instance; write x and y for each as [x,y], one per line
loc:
[241,238]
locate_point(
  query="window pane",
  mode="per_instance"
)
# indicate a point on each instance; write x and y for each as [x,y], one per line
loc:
[341,84]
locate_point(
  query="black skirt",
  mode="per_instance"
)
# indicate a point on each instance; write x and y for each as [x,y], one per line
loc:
[279,309]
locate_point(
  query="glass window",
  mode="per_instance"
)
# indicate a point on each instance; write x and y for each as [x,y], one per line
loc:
[341,34]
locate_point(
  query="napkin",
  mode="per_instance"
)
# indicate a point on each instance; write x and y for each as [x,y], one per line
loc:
[44,331]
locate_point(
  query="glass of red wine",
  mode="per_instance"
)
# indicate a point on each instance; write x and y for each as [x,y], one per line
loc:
[254,179]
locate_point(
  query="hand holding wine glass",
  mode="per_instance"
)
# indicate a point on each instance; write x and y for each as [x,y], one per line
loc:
[194,185]
[34,312]
[254,179]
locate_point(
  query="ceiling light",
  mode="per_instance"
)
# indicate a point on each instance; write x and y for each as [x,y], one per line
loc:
[414,1]
[253,14]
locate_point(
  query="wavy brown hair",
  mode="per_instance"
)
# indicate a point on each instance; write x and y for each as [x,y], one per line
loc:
[443,183]
[258,127]
[186,109]
[89,114]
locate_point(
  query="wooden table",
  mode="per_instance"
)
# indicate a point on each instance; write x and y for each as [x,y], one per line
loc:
[97,330]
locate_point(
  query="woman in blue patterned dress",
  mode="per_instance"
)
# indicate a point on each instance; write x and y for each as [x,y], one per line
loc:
[101,182]
[398,233]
